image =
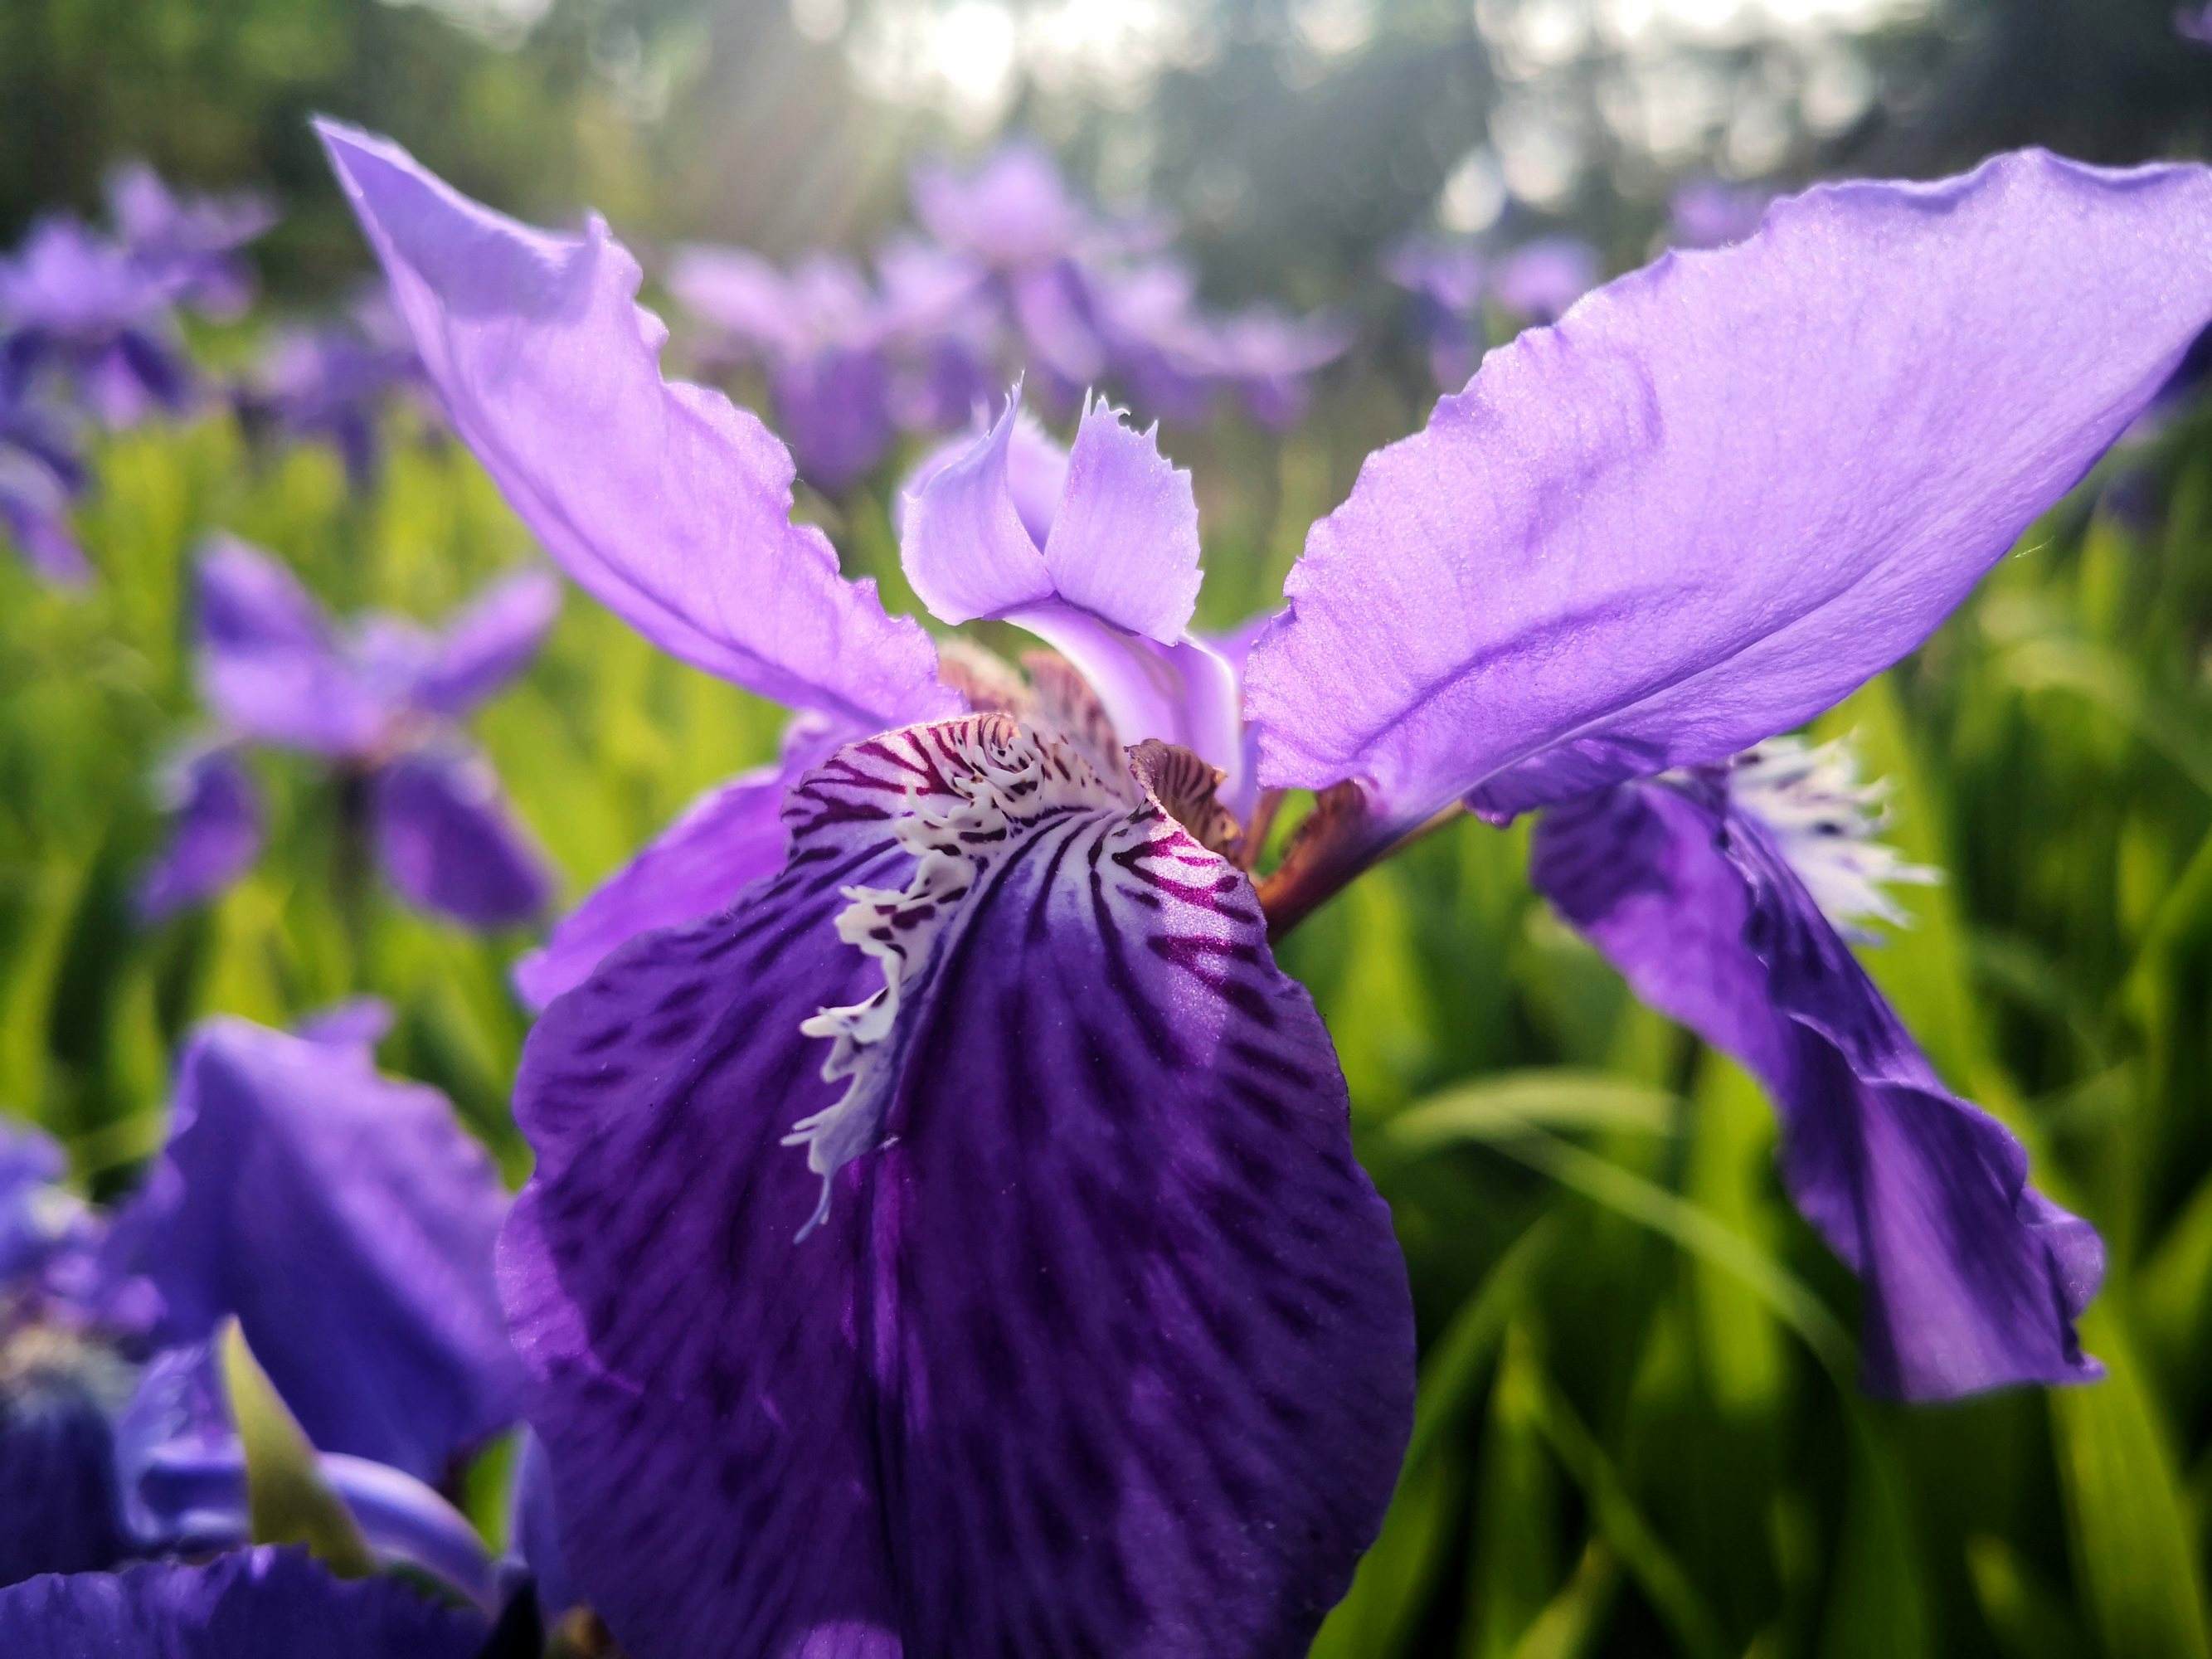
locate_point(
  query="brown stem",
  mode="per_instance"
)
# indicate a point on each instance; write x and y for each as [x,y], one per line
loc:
[1332,849]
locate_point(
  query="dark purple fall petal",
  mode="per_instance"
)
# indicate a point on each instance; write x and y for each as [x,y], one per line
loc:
[449,842]
[255,1604]
[214,833]
[1103,1343]
[1726,491]
[347,1220]
[664,501]
[1973,1279]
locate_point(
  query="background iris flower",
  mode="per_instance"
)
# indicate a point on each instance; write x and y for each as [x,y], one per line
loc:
[381,706]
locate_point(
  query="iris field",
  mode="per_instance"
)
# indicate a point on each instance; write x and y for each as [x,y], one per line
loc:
[1638,1428]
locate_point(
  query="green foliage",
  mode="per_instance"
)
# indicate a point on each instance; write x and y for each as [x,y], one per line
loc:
[1639,1430]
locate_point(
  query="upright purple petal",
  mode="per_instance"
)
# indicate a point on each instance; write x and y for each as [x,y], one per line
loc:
[1973,1279]
[255,1604]
[1104,1344]
[722,843]
[1727,489]
[216,831]
[662,500]
[269,663]
[347,1220]
[491,642]
[449,842]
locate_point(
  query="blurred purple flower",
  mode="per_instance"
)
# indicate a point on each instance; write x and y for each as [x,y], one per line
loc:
[334,383]
[1713,213]
[1537,281]
[2194,24]
[380,705]
[189,245]
[1448,281]
[345,1220]
[822,335]
[1267,358]
[79,315]
[40,478]
[1078,1147]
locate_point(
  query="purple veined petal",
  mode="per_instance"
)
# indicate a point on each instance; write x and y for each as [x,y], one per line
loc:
[1973,1279]
[216,831]
[1727,491]
[269,663]
[182,1475]
[449,842]
[729,838]
[491,642]
[664,501]
[347,1220]
[1104,1344]
[263,1603]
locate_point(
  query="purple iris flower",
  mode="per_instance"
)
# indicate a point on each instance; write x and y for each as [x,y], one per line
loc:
[822,335]
[2194,24]
[264,1603]
[1013,218]
[1266,359]
[188,244]
[1447,281]
[1093,1334]
[1712,213]
[382,705]
[78,313]
[1537,281]
[345,1220]
[1187,1296]
[333,383]
[41,478]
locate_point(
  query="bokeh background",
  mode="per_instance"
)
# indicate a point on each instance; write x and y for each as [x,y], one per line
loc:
[1639,1430]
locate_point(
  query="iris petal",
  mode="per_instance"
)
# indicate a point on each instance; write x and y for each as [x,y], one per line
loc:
[1104,1344]
[662,500]
[1973,1279]
[449,841]
[347,1221]
[255,1604]
[1726,491]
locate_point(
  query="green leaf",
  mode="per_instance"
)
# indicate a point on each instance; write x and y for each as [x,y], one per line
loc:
[287,1499]
[2133,1543]
[1514,1102]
